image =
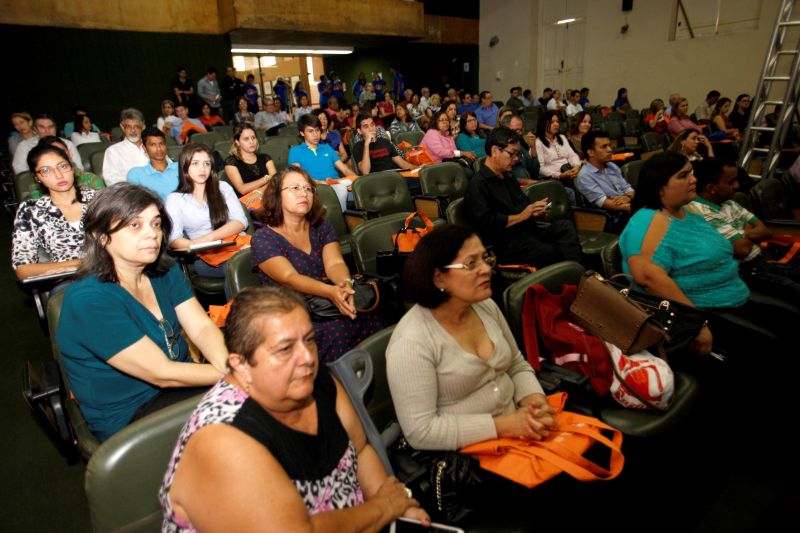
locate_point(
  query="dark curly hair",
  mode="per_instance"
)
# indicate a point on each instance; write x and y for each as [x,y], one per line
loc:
[271,211]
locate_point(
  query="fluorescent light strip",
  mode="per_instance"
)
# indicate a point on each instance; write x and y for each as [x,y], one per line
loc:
[295,51]
[565,21]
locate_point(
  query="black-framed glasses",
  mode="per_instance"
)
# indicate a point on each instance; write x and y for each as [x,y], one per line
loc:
[63,167]
[169,338]
[514,154]
[488,258]
[298,189]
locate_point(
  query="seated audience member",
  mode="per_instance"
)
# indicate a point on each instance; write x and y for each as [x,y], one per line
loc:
[83,131]
[515,101]
[676,254]
[167,117]
[656,120]
[555,103]
[386,108]
[186,126]
[367,95]
[486,111]
[543,100]
[414,108]
[299,248]
[203,209]
[720,120]
[373,153]
[328,135]
[246,168]
[359,84]
[467,104]
[208,119]
[526,169]
[470,138]
[300,90]
[673,100]
[69,127]
[325,89]
[451,110]
[435,104]
[121,322]
[703,111]
[336,115]
[740,114]
[455,372]
[320,161]
[128,153]
[717,181]
[160,175]
[43,126]
[83,179]
[679,120]
[601,182]
[500,212]
[622,104]
[270,120]
[243,114]
[573,107]
[425,97]
[282,431]
[23,124]
[438,142]
[402,122]
[407,96]
[303,107]
[54,222]
[579,125]
[556,157]
[584,99]
[686,143]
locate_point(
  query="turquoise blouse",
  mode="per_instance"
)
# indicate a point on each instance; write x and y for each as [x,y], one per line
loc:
[470,143]
[695,256]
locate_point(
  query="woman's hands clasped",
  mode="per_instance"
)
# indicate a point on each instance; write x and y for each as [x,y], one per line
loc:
[343,296]
[533,420]
[398,502]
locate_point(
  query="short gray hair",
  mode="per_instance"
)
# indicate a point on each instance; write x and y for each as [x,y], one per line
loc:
[131,112]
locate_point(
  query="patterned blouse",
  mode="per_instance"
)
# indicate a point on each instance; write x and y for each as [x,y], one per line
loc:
[323,467]
[41,224]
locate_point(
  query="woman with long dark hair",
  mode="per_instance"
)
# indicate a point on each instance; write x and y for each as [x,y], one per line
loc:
[203,209]
[557,158]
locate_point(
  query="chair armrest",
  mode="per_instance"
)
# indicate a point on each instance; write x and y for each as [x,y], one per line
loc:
[783,227]
[434,206]
[589,219]
[355,217]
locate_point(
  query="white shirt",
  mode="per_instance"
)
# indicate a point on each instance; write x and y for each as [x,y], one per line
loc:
[80,138]
[120,158]
[20,162]
[574,109]
[192,218]
[553,104]
[161,122]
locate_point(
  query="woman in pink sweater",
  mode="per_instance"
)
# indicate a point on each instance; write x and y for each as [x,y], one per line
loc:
[439,143]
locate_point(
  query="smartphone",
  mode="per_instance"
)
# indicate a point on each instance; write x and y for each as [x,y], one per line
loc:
[549,205]
[410,525]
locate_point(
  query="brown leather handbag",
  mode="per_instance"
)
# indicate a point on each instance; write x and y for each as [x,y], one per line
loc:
[602,310]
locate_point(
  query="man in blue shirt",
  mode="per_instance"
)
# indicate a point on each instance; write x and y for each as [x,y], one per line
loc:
[319,160]
[379,84]
[324,87]
[160,175]
[486,112]
[601,182]
[399,86]
[466,103]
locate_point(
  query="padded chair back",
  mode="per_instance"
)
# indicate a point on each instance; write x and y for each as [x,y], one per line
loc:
[87,149]
[614,129]
[445,179]
[554,192]
[611,257]
[124,474]
[117,134]
[23,182]
[632,114]
[333,212]
[630,172]
[552,277]
[455,212]
[225,132]
[222,147]
[210,139]
[171,141]
[771,200]
[379,398]
[174,151]
[239,272]
[654,141]
[633,127]
[86,441]
[278,149]
[477,165]
[96,160]
[413,137]
[385,192]
[615,116]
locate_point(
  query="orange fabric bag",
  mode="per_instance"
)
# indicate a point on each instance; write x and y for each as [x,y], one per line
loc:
[253,200]
[406,239]
[419,156]
[531,463]
[217,257]
[219,313]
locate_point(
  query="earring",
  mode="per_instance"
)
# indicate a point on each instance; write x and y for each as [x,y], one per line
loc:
[441,289]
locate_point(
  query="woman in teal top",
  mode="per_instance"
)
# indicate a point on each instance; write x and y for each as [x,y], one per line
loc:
[678,255]
[469,140]
[121,323]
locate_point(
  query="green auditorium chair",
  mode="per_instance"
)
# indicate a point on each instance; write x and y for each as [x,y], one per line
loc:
[412,137]
[239,270]
[444,181]
[333,212]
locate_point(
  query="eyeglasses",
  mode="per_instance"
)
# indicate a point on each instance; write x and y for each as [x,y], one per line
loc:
[488,258]
[297,190]
[62,167]
[513,154]
[169,338]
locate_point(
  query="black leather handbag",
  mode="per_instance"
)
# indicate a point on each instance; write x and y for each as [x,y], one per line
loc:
[367,298]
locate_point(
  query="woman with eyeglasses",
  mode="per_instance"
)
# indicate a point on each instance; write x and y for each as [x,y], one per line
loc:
[299,248]
[54,222]
[122,324]
[455,372]
[203,209]
[438,142]
[470,138]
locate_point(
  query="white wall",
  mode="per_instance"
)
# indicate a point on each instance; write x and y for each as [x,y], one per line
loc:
[643,60]
[516,23]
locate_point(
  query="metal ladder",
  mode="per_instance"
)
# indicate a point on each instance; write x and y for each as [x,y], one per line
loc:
[778,89]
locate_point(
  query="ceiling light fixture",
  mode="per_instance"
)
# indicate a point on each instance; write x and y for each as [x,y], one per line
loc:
[566,21]
[243,49]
